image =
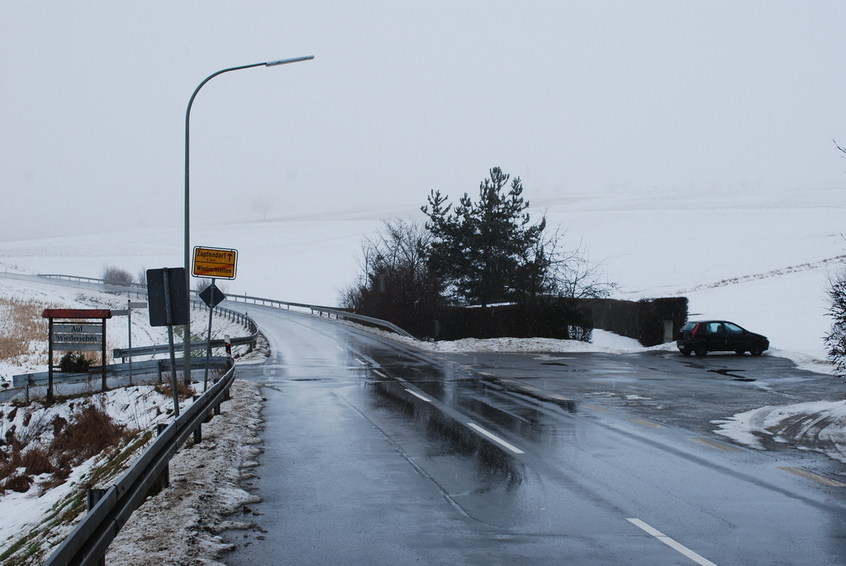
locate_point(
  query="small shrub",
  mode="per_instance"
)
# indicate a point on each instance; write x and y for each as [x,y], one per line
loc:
[74,362]
[64,464]
[58,423]
[18,483]
[116,276]
[90,431]
[182,391]
[12,440]
[37,462]
[8,465]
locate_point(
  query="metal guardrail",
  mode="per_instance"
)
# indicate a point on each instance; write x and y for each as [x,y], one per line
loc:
[338,313]
[87,543]
[251,339]
[164,348]
[85,279]
[112,370]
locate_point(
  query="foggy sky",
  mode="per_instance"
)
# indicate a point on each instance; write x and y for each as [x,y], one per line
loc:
[404,97]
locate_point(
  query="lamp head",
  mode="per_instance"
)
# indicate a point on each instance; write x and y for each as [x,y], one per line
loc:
[285,61]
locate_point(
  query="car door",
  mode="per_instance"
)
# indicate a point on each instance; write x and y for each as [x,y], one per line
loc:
[735,337]
[716,336]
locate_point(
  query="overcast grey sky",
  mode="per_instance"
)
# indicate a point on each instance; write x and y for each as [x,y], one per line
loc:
[404,97]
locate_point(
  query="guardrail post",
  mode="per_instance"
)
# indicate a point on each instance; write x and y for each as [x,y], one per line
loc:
[163,480]
[198,432]
[93,497]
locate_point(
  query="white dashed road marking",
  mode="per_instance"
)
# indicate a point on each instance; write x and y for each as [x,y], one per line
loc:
[495,438]
[671,543]
[418,395]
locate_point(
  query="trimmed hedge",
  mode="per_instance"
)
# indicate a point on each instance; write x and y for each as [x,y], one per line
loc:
[646,320]
[649,321]
[559,318]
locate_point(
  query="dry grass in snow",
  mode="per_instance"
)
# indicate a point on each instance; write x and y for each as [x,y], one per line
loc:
[22,330]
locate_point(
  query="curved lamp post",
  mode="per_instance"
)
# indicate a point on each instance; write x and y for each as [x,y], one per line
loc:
[186,372]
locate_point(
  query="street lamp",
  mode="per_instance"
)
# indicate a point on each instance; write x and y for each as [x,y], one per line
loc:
[187,258]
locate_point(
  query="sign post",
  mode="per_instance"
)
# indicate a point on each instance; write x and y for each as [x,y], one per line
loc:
[168,300]
[128,313]
[212,296]
[215,263]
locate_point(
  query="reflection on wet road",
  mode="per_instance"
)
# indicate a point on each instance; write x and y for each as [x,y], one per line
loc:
[377,453]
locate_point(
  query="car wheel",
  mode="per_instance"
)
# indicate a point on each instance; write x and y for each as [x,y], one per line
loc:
[756,349]
[740,351]
[700,349]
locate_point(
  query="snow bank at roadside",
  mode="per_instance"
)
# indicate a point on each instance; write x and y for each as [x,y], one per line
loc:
[182,524]
[818,426]
[603,341]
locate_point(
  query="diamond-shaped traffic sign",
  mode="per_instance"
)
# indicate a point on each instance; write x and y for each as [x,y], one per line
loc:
[212,296]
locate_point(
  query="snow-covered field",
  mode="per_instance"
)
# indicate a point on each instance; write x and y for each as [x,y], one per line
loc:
[759,258]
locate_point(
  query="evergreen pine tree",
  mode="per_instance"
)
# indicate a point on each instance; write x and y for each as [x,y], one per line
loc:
[487,251]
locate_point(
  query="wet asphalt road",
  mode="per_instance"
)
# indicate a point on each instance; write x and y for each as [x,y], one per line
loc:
[381,454]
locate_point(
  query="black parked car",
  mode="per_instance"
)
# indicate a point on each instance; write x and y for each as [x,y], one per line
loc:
[719,335]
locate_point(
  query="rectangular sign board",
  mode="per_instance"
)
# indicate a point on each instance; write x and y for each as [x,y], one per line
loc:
[81,337]
[218,263]
[167,296]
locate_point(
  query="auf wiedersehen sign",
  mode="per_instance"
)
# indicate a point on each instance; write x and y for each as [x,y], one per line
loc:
[81,337]
[215,262]
[76,331]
